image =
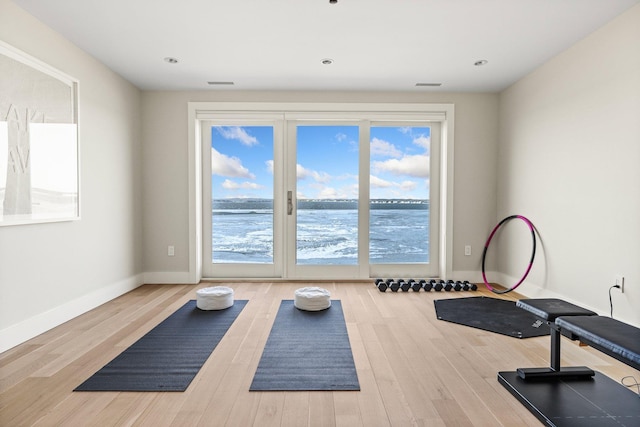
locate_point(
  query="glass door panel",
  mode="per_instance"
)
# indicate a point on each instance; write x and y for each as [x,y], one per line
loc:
[401,196]
[326,193]
[242,194]
[240,222]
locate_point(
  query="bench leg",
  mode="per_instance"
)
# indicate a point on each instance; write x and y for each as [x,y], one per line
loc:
[555,371]
[555,347]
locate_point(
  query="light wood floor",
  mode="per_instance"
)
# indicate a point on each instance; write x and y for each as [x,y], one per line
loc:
[413,369]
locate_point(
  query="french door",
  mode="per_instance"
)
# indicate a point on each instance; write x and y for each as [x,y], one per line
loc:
[242,196]
[320,195]
[323,219]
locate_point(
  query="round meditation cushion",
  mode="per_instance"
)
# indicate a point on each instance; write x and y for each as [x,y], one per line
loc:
[214,298]
[312,299]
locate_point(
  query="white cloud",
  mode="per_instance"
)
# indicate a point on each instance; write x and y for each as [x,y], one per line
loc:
[422,141]
[237,133]
[304,173]
[408,185]
[416,166]
[269,164]
[328,193]
[347,192]
[232,185]
[228,166]
[379,182]
[383,148]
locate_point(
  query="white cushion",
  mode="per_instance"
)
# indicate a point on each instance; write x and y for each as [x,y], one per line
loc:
[214,298]
[312,299]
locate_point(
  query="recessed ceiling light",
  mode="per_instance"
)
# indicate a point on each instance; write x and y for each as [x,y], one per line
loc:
[481,62]
[327,61]
[429,84]
[220,83]
[171,60]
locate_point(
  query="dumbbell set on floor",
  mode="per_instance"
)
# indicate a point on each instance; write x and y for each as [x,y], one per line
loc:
[395,285]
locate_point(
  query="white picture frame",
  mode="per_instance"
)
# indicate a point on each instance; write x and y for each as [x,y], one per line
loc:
[39,142]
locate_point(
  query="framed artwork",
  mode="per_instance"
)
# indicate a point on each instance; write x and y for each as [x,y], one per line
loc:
[39,150]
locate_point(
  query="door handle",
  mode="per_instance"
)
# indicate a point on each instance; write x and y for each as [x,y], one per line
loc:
[289,202]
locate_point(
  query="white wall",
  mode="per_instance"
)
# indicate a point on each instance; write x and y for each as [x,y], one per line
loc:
[569,159]
[52,272]
[165,180]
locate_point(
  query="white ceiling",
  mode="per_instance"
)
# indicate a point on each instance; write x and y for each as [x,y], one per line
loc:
[376,45]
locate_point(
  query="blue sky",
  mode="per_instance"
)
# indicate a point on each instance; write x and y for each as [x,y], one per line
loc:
[327,162]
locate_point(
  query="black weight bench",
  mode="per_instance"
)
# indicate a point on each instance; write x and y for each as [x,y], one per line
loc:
[612,337]
[572,396]
[549,310]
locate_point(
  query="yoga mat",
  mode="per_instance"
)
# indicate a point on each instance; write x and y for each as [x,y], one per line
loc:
[307,351]
[491,314]
[169,356]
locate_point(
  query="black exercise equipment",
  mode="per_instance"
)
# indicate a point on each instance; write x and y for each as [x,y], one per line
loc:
[587,398]
[415,285]
[548,309]
[427,285]
[486,246]
[466,286]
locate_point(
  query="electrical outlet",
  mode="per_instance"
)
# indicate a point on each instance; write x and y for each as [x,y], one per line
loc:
[171,250]
[620,282]
[467,250]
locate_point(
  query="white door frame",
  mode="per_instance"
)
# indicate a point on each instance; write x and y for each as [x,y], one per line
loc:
[198,111]
[249,270]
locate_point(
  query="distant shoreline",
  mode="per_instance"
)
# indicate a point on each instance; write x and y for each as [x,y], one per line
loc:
[314,204]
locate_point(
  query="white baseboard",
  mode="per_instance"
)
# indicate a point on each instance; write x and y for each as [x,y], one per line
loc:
[167,277]
[36,325]
[472,276]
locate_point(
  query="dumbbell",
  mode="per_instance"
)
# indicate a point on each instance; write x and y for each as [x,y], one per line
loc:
[472,286]
[393,285]
[457,286]
[449,285]
[381,285]
[415,285]
[436,285]
[404,286]
[426,285]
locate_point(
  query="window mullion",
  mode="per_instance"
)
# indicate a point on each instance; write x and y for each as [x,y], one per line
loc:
[363,197]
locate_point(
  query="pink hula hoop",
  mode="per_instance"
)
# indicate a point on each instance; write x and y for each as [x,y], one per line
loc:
[486,246]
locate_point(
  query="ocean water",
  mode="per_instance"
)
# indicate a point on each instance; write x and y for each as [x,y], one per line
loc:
[327,232]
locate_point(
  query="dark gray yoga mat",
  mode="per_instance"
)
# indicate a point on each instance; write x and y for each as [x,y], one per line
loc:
[307,351]
[491,314]
[169,356]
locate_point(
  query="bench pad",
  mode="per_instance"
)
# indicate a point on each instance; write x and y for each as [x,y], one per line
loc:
[551,308]
[617,339]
